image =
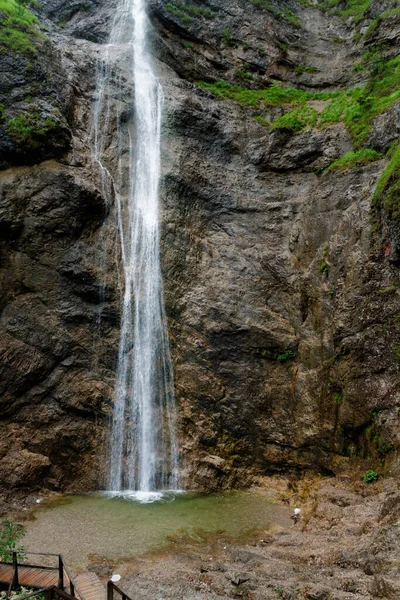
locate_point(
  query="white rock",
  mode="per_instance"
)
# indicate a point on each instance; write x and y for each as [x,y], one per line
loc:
[297,511]
[115,578]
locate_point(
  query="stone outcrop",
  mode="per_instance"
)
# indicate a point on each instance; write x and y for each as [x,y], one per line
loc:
[281,282]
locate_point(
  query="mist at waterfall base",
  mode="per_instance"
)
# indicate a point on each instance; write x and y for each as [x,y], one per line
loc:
[143,456]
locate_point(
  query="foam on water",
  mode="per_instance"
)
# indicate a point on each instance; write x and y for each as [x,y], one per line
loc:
[144,497]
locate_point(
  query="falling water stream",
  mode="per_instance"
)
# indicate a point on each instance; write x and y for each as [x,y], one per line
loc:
[143,448]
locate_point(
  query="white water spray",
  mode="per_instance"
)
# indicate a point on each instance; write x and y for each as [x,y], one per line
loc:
[143,450]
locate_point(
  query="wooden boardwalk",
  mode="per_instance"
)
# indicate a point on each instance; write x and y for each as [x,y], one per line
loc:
[86,586]
[30,576]
[90,587]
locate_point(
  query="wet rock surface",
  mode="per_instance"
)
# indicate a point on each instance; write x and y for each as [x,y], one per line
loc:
[282,295]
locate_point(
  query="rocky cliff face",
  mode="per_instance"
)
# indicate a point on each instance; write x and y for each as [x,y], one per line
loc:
[280,263]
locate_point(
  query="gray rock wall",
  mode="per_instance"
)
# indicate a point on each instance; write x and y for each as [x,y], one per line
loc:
[280,362]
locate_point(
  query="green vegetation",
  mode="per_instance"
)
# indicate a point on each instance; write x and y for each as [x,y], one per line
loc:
[356,107]
[302,69]
[391,289]
[287,355]
[282,46]
[244,74]
[324,268]
[352,159]
[29,131]
[396,348]
[286,14]
[10,536]
[228,36]
[338,398]
[20,593]
[370,476]
[345,8]
[387,192]
[267,6]
[273,96]
[174,10]
[262,121]
[193,10]
[186,12]
[18,27]
[297,120]
[291,17]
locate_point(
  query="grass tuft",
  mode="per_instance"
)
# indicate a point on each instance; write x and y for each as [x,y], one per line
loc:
[18,27]
[352,159]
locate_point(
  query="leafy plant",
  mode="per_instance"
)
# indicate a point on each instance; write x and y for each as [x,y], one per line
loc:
[10,536]
[338,397]
[287,355]
[371,476]
[324,268]
[244,74]
[22,591]
[228,36]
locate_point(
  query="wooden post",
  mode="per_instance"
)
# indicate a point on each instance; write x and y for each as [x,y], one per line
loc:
[49,594]
[60,573]
[110,590]
[71,588]
[15,569]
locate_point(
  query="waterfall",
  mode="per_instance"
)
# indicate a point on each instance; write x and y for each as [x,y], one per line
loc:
[126,147]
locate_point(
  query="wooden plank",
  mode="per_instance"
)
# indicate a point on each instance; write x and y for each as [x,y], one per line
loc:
[37,577]
[90,586]
[5,573]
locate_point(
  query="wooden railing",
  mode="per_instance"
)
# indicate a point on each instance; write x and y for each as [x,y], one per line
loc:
[62,571]
[111,588]
[56,592]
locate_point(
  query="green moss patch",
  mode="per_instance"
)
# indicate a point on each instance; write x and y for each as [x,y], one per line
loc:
[387,192]
[29,131]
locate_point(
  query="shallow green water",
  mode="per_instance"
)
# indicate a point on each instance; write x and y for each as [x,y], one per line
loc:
[79,526]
